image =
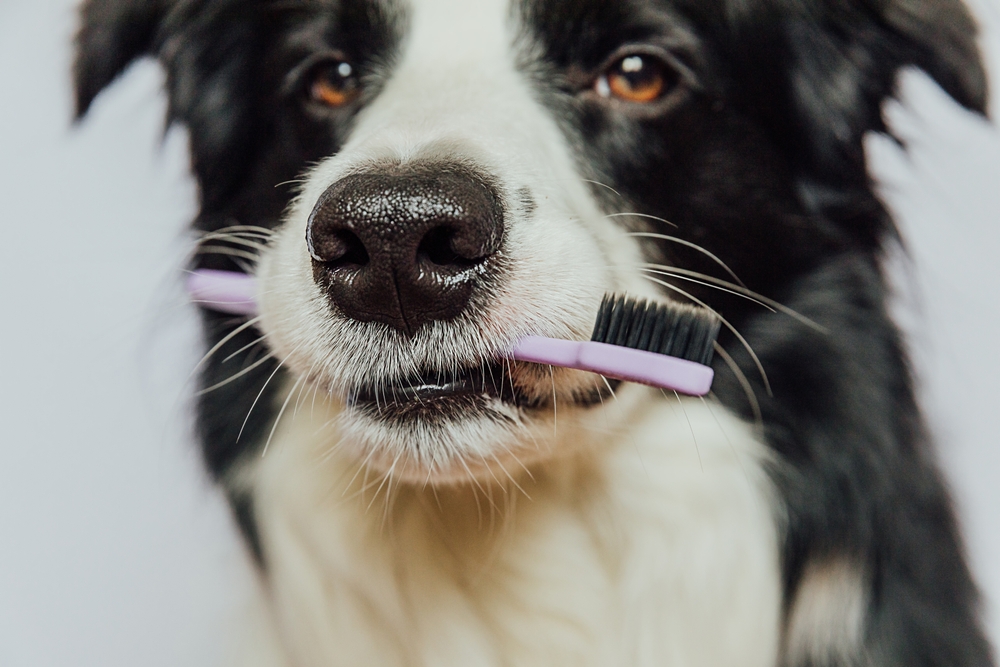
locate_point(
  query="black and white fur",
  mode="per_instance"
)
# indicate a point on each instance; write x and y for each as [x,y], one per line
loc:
[794,519]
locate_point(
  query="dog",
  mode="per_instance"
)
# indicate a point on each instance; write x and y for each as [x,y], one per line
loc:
[416,184]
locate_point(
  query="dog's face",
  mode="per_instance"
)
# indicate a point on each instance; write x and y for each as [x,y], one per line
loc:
[456,218]
[468,173]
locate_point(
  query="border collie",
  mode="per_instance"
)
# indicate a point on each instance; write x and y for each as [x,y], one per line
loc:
[417,184]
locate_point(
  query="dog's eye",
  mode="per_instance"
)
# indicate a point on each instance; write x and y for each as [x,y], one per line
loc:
[333,84]
[637,78]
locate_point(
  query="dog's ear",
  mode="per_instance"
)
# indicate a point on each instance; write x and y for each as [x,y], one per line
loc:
[942,35]
[818,71]
[848,60]
[112,34]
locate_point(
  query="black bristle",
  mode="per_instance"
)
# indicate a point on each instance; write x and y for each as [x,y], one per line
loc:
[603,318]
[639,316]
[677,330]
[682,335]
[628,309]
[662,321]
[646,330]
[615,319]
[711,334]
[666,344]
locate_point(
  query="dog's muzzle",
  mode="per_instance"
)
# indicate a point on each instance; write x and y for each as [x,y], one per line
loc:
[405,245]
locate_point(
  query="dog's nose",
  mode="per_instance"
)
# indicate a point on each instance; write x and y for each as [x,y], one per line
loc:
[407,246]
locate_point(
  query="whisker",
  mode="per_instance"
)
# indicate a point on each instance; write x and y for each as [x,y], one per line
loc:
[387,508]
[235,240]
[603,185]
[517,459]
[330,451]
[246,347]
[751,395]
[223,250]
[492,474]
[694,437]
[215,348]
[248,239]
[693,246]
[302,392]
[725,434]
[385,478]
[363,466]
[437,498]
[509,476]
[618,405]
[555,410]
[312,409]
[237,376]
[250,229]
[669,272]
[236,233]
[245,266]
[641,215]
[261,392]
[478,486]
[242,227]
[768,303]
[284,406]
[295,181]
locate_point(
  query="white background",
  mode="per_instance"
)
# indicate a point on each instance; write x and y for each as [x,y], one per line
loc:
[114,548]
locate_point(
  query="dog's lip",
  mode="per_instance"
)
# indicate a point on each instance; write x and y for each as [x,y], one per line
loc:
[490,378]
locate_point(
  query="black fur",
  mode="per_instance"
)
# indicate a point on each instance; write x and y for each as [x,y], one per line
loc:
[232,68]
[763,164]
[756,155]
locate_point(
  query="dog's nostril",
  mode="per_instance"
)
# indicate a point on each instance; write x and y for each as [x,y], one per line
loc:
[440,247]
[395,246]
[337,248]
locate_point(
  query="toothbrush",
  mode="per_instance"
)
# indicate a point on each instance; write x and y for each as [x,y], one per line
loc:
[669,346]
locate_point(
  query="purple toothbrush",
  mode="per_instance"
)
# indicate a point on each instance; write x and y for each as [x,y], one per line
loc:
[669,346]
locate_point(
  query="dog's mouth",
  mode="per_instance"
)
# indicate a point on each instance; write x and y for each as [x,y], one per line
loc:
[489,379]
[494,388]
[444,393]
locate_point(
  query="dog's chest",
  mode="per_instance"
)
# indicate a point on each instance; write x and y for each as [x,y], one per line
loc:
[657,549]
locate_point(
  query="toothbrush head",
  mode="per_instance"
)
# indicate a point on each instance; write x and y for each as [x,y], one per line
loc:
[672,329]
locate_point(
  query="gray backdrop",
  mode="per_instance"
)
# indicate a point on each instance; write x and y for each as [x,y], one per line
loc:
[115,550]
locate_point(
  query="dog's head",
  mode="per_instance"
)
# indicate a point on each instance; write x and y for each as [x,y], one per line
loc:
[443,177]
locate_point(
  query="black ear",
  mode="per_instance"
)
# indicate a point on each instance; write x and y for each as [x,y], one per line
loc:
[112,34]
[845,57]
[943,35]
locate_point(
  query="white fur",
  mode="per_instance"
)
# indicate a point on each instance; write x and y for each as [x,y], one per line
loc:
[653,546]
[456,94]
[826,622]
[638,533]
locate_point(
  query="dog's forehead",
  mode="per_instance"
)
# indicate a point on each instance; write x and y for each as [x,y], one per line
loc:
[481,25]
[457,26]
[575,36]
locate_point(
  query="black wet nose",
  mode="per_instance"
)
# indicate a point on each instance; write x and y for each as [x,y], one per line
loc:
[407,246]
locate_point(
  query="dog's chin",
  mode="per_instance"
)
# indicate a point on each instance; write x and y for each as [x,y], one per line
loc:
[478,423]
[443,450]
[440,427]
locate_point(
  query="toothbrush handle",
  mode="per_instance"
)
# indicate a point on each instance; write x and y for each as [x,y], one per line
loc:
[235,293]
[551,351]
[657,370]
[225,291]
[622,363]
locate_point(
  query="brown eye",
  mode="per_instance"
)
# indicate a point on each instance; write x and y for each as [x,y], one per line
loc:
[636,78]
[333,84]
